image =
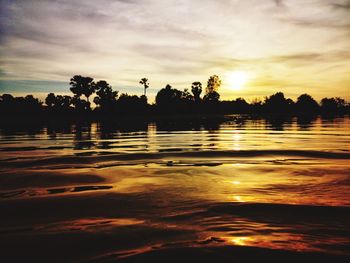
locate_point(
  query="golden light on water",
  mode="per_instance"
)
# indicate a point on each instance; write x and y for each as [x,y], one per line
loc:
[236,141]
[237,79]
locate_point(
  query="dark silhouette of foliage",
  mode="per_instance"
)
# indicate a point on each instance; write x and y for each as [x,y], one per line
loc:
[237,106]
[82,106]
[256,105]
[50,100]
[144,82]
[32,104]
[196,89]
[82,86]
[214,84]
[211,92]
[132,104]
[106,98]
[187,96]
[21,107]
[168,101]
[167,96]
[333,106]
[212,97]
[58,102]
[306,105]
[277,103]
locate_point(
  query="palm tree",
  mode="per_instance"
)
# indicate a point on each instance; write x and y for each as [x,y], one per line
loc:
[144,82]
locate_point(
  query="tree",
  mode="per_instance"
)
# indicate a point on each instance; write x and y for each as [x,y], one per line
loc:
[58,101]
[306,104]
[32,104]
[187,96]
[64,101]
[212,97]
[80,105]
[241,105]
[333,105]
[144,82]
[106,98]
[277,103]
[82,86]
[196,89]
[256,105]
[168,95]
[50,100]
[172,100]
[132,104]
[213,85]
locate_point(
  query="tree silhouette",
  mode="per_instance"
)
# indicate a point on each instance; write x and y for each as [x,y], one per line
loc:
[32,104]
[187,96]
[213,85]
[333,105]
[82,86]
[21,107]
[106,98]
[50,100]
[144,82]
[306,104]
[196,89]
[277,103]
[240,105]
[168,99]
[132,104]
[81,105]
[65,101]
[58,102]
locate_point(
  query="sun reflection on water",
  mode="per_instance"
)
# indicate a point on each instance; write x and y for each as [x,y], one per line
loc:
[236,140]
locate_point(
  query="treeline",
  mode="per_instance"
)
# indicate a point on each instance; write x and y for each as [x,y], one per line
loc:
[169,101]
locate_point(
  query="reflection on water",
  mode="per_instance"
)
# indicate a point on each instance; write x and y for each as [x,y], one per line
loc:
[236,182]
[236,134]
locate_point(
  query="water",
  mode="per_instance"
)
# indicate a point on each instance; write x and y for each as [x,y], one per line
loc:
[170,189]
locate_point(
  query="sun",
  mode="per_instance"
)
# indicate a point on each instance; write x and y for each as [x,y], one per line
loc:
[237,79]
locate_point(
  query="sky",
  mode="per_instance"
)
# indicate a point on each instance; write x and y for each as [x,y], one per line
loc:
[293,46]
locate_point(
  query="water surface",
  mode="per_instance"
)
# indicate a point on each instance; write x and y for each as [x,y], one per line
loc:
[95,192]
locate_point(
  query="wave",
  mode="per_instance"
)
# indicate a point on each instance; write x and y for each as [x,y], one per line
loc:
[223,253]
[51,191]
[97,157]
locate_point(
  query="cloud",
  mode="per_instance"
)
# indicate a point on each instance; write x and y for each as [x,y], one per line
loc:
[279,3]
[176,41]
[318,14]
[342,5]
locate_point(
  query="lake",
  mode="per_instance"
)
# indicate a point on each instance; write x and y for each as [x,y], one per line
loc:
[238,188]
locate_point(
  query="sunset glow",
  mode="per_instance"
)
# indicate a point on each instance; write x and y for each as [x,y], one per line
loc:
[175,131]
[289,46]
[238,79]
